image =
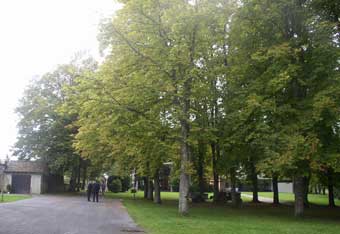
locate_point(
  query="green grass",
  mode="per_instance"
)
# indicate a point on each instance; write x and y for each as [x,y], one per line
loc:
[13,197]
[317,199]
[210,218]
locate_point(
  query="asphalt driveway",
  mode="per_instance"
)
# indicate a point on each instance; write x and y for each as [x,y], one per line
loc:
[65,215]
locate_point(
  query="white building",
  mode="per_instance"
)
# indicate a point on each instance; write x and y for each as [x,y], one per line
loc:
[285,187]
[24,177]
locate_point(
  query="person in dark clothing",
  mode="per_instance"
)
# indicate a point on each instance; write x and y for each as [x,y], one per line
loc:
[96,189]
[89,191]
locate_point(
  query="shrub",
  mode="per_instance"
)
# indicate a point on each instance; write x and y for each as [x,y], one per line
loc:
[133,190]
[174,182]
[126,183]
[115,186]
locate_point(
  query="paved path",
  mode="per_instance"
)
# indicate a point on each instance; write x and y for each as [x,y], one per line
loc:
[65,215]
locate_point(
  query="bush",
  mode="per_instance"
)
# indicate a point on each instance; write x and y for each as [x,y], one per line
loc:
[126,183]
[115,186]
[133,191]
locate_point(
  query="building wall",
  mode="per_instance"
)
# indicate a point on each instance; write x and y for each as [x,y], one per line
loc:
[2,184]
[285,187]
[7,180]
[36,184]
[44,184]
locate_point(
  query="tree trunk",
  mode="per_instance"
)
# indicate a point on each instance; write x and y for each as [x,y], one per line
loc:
[78,175]
[234,200]
[183,206]
[150,190]
[305,191]
[330,185]
[73,178]
[157,198]
[200,167]
[299,196]
[215,173]
[84,177]
[146,186]
[275,190]
[183,203]
[254,182]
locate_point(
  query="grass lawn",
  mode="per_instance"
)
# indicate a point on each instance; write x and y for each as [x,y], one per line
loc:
[14,197]
[209,218]
[317,199]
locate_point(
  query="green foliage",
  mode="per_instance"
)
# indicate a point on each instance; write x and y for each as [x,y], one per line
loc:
[46,130]
[224,88]
[287,73]
[115,186]
[125,182]
[13,198]
[133,191]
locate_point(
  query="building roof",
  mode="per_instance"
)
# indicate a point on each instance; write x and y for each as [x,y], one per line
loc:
[26,167]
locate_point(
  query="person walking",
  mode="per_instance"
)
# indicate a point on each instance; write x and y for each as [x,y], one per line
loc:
[96,189]
[89,190]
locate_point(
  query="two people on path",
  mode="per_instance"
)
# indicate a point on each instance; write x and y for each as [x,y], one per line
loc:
[93,190]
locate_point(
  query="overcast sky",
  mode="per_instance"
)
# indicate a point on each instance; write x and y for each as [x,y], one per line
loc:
[35,36]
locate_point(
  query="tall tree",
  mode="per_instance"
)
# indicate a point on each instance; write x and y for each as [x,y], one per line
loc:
[44,132]
[280,73]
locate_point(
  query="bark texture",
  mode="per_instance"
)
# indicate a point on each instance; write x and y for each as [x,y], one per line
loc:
[157,198]
[330,185]
[254,182]
[150,190]
[200,167]
[215,173]
[299,196]
[275,190]
[146,186]
[183,203]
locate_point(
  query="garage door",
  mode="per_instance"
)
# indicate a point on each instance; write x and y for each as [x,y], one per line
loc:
[21,184]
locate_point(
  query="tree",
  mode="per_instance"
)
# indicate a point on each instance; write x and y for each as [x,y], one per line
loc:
[45,133]
[274,47]
[164,44]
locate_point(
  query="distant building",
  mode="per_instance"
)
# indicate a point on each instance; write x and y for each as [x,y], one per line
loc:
[285,187]
[2,176]
[24,177]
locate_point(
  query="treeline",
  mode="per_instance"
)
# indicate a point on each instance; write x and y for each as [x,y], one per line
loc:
[220,88]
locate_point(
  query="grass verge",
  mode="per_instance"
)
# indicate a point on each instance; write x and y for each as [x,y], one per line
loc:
[316,199]
[13,197]
[210,218]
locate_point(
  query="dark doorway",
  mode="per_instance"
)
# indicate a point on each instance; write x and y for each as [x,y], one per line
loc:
[21,184]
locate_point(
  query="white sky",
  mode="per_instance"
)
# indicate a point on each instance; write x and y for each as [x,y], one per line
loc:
[35,36]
